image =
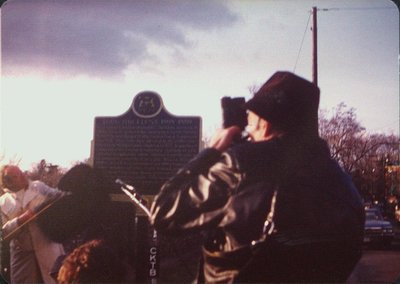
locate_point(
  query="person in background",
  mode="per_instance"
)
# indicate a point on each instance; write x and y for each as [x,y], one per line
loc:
[32,254]
[92,262]
[281,188]
[84,214]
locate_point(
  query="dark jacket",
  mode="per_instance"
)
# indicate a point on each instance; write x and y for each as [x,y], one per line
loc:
[318,215]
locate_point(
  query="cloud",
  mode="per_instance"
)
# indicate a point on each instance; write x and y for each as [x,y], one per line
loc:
[99,38]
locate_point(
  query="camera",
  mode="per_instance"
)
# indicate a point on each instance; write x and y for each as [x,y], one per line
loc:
[233,112]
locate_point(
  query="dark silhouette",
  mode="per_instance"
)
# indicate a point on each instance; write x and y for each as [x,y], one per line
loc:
[87,213]
[276,208]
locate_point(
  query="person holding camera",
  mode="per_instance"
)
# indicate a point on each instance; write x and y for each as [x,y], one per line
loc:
[276,208]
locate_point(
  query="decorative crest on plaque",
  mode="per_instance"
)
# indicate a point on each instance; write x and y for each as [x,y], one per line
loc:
[147,104]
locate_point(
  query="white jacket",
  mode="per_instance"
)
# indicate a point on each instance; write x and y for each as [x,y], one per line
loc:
[30,241]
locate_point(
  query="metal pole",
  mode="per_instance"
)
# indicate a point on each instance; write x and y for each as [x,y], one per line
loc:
[315,53]
[147,264]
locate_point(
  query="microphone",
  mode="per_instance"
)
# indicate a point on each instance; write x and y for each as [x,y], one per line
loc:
[125,185]
[131,192]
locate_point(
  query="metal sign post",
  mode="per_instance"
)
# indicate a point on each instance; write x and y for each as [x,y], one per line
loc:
[147,262]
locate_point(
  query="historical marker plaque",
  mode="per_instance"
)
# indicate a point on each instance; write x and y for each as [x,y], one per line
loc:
[145,145]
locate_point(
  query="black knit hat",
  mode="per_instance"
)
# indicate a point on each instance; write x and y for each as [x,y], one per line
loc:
[288,101]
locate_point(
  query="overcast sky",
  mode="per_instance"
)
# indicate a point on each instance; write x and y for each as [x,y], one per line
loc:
[66,62]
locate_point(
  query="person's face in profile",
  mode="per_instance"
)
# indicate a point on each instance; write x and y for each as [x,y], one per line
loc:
[13,179]
[253,127]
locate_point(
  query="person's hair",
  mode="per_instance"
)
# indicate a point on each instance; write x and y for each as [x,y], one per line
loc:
[83,179]
[85,209]
[92,262]
[9,173]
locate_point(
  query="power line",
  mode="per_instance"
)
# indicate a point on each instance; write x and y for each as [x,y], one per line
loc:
[302,41]
[356,8]
[334,9]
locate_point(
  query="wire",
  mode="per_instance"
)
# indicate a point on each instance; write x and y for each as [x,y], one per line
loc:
[333,9]
[302,41]
[356,8]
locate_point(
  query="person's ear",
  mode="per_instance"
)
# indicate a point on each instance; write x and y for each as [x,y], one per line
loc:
[265,127]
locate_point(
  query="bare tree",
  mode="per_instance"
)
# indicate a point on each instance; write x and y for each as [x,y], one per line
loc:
[46,172]
[342,132]
[363,155]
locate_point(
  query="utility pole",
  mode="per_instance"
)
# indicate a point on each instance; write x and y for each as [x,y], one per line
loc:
[315,53]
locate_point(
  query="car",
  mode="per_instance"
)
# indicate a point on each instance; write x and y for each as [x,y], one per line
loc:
[377,230]
[397,213]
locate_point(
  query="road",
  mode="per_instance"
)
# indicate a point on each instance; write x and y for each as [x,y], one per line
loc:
[378,265]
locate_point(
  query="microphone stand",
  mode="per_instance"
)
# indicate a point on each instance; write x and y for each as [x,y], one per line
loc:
[153,271]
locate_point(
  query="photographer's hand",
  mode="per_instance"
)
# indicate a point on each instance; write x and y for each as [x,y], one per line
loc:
[224,138]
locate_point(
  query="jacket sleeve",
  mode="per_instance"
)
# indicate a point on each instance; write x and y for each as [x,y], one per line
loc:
[195,196]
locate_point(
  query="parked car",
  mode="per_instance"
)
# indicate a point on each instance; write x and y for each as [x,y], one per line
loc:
[377,229]
[397,213]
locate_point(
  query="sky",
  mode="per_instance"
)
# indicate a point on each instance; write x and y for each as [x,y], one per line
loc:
[65,62]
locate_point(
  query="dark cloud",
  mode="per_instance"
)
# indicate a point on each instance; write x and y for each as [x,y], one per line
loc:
[99,38]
